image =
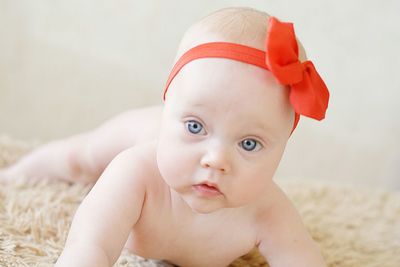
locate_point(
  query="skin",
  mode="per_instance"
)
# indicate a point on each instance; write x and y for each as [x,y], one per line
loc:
[149,193]
[224,124]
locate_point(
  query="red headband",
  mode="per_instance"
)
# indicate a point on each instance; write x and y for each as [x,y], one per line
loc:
[308,95]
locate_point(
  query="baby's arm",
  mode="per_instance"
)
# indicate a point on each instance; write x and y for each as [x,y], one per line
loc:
[106,216]
[284,240]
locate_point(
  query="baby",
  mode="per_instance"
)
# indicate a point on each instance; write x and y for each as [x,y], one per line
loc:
[191,182]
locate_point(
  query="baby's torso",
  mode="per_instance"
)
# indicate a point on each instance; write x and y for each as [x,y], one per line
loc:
[164,232]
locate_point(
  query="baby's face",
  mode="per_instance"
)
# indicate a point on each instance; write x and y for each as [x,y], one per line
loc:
[225,126]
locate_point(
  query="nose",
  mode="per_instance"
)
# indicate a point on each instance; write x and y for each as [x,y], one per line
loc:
[216,158]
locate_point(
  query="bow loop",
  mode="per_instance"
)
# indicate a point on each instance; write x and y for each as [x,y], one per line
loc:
[309,95]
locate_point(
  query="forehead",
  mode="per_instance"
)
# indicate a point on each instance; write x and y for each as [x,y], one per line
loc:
[225,85]
[220,81]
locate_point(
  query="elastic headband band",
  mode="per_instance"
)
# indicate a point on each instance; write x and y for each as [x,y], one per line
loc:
[308,95]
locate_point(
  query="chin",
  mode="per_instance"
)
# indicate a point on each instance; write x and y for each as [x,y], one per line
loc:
[201,206]
[202,210]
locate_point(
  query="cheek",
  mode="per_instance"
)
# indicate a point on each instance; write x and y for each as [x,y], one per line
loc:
[255,180]
[175,160]
[167,158]
[248,190]
[255,184]
[273,159]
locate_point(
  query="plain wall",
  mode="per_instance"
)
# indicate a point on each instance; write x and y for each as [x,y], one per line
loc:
[66,66]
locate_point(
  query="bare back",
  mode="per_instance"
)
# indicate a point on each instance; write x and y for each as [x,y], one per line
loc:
[83,157]
[127,129]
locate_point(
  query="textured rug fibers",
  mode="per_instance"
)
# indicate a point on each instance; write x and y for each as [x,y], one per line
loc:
[353,227]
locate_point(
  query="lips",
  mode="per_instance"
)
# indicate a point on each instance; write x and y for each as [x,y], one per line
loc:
[207,189]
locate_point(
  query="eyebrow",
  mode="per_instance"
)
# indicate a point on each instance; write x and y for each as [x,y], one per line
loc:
[267,130]
[198,106]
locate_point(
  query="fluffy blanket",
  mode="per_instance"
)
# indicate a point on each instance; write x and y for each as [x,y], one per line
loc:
[354,227]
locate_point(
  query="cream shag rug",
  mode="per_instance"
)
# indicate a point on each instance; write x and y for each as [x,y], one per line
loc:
[354,228]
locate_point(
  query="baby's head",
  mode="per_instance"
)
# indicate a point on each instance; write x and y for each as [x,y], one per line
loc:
[220,78]
[225,122]
[239,25]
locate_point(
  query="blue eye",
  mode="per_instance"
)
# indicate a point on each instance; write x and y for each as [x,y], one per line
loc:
[250,145]
[193,126]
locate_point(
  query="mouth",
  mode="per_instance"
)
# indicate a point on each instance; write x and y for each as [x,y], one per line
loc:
[207,189]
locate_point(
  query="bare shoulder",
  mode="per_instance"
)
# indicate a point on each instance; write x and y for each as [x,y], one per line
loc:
[127,175]
[136,162]
[276,203]
[282,237]
[138,165]
[279,216]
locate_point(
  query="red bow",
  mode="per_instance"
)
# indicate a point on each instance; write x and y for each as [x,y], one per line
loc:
[309,95]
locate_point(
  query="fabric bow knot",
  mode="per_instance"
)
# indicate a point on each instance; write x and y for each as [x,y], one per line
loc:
[309,95]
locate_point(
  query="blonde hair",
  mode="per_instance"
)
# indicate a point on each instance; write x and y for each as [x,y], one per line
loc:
[241,25]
